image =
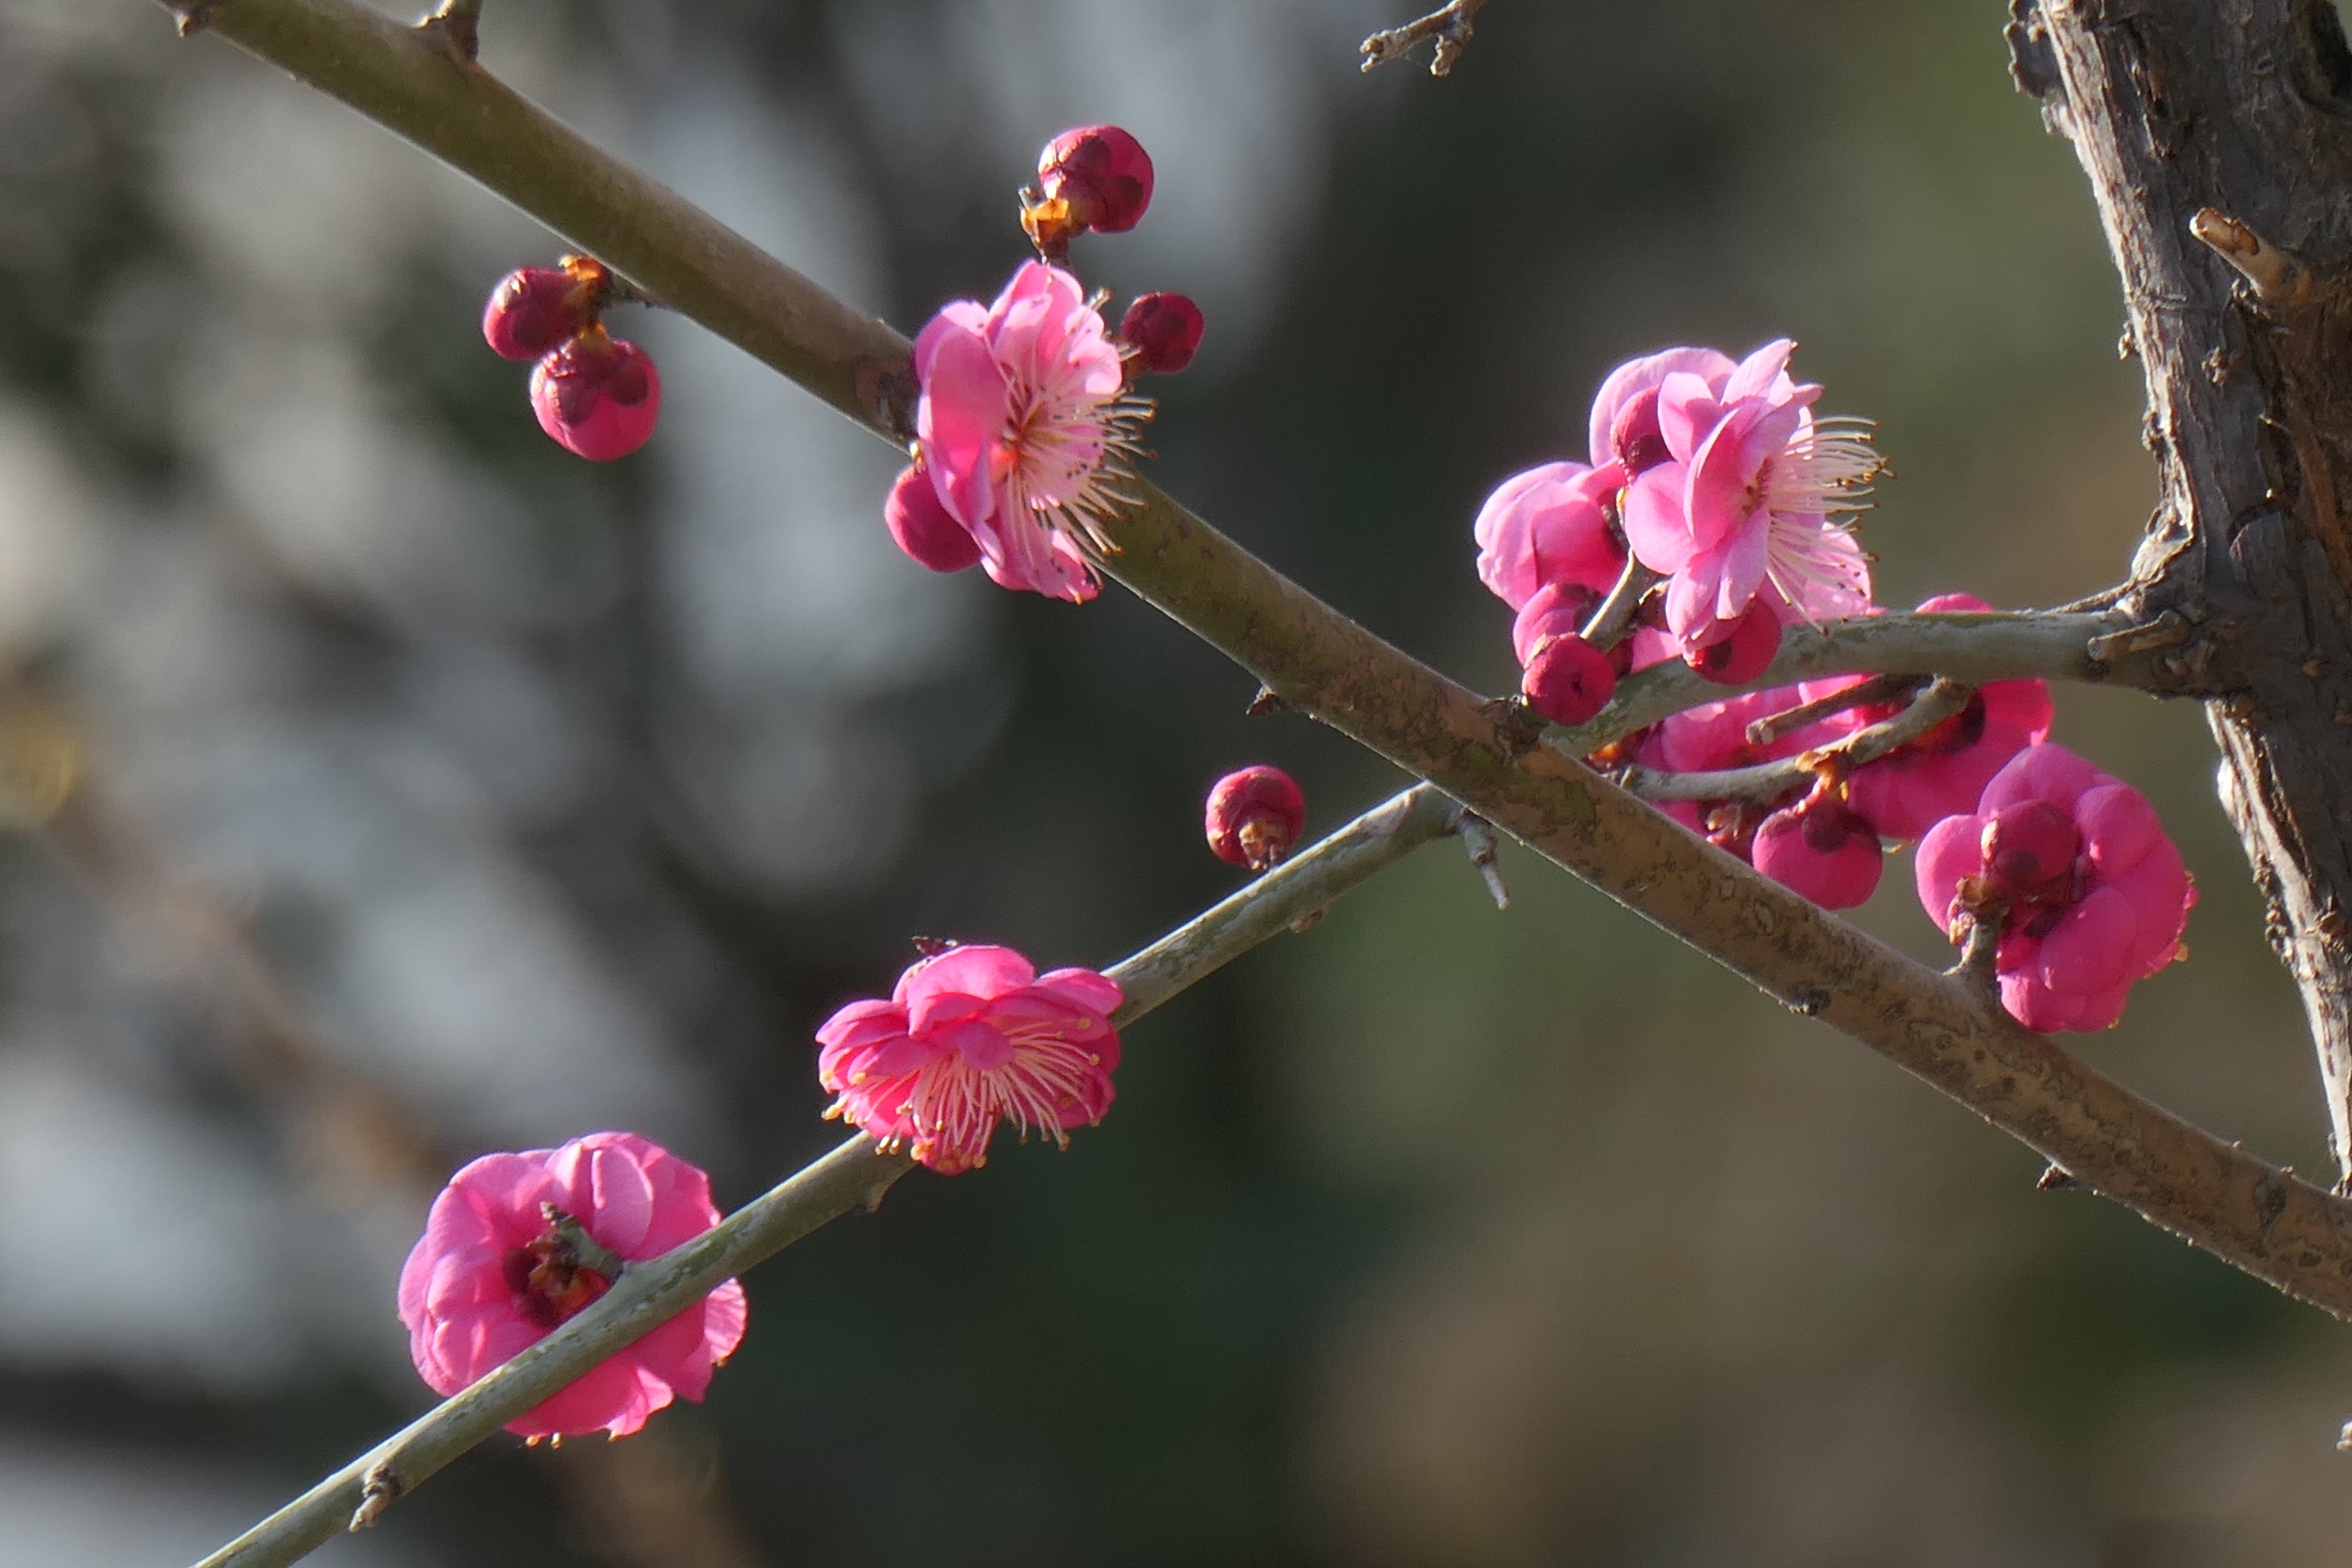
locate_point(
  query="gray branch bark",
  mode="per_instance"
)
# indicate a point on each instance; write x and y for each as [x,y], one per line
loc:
[2239,109]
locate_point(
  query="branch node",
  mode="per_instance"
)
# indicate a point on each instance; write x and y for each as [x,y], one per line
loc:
[456,30]
[2054,1178]
[1810,1001]
[1267,700]
[1479,843]
[2344,1439]
[2278,278]
[2169,629]
[1449,24]
[380,1489]
[1518,729]
[194,15]
[1978,954]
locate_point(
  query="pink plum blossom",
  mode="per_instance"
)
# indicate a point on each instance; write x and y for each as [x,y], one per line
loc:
[1021,425]
[1745,504]
[492,1274]
[1549,524]
[1944,771]
[971,1036]
[2090,892]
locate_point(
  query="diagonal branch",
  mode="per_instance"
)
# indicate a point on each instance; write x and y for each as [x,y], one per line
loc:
[2261,1219]
[854,1175]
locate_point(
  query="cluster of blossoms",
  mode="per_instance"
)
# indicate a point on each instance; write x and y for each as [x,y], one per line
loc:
[595,394]
[1717,511]
[1026,414]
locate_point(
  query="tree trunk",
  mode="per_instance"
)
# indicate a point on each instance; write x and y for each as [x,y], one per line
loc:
[2242,107]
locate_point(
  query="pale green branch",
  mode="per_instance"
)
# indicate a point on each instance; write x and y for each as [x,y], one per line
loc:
[854,1175]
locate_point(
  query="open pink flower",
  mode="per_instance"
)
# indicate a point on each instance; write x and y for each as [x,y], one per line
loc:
[1023,426]
[1549,524]
[493,1273]
[2090,892]
[1944,771]
[1740,492]
[973,1036]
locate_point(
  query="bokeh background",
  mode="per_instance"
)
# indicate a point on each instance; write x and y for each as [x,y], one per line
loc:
[435,791]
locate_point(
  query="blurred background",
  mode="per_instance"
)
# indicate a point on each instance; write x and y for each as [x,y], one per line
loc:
[387,785]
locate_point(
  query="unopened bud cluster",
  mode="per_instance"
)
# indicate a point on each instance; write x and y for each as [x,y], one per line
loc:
[596,394]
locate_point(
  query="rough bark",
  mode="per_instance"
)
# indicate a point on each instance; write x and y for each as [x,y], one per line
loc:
[2243,107]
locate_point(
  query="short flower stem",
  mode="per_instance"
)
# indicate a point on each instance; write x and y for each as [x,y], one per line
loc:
[1978,957]
[1769,780]
[646,1294]
[585,1249]
[1614,618]
[1878,688]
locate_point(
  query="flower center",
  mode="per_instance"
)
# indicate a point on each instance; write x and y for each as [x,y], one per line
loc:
[549,1281]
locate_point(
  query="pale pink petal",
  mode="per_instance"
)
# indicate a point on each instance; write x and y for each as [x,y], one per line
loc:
[1687,410]
[1635,377]
[1655,522]
[1756,375]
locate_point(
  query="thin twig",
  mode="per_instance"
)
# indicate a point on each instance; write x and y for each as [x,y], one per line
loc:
[1976,648]
[1479,843]
[856,1174]
[1770,780]
[1861,693]
[1614,618]
[1449,24]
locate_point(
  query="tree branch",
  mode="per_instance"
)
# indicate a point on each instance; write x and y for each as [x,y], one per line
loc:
[2259,1218]
[2207,1191]
[2204,130]
[854,1175]
[1449,24]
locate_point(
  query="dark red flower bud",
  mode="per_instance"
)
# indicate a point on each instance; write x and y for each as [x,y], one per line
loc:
[1101,174]
[1255,816]
[2029,850]
[1164,331]
[597,396]
[1743,655]
[531,310]
[925,530]
[1567,680]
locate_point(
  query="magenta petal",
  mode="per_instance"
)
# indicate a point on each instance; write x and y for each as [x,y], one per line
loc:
[2037,1006]
[2118,827]
[2090,949]
[1084,990]
[2156,886]
[2045,772]
[1946,854]
[978,970]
